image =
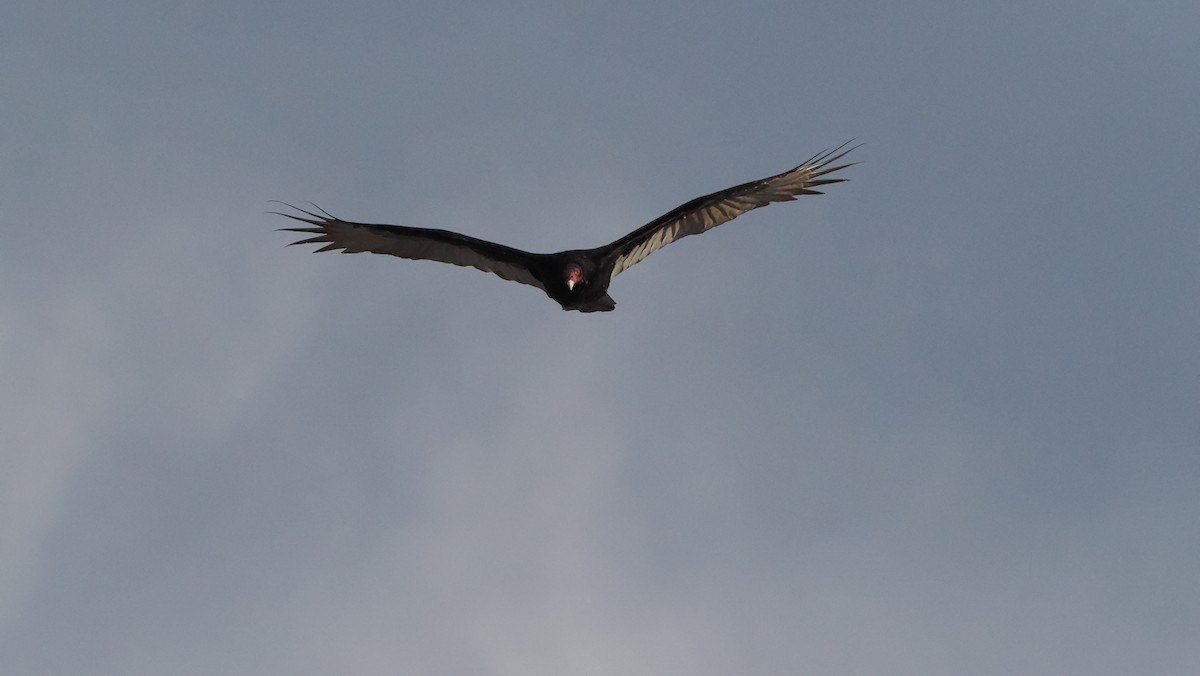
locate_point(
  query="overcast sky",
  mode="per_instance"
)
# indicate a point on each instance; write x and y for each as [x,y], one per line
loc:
[944,419]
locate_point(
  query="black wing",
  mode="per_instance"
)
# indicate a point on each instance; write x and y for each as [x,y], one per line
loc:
[705,213]
[415,243]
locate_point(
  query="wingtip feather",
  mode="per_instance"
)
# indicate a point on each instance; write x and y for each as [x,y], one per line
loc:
[315,219]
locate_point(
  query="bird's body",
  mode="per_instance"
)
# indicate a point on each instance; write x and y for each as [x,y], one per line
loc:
[577,279]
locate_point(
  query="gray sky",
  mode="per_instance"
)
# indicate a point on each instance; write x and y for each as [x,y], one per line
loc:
[941,420]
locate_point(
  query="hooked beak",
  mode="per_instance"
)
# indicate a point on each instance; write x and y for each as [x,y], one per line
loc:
[574,276]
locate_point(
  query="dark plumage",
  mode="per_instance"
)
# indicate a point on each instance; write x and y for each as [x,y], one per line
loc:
[578,279]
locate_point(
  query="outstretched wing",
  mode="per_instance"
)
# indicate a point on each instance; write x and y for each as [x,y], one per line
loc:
[705,213]
[415,243]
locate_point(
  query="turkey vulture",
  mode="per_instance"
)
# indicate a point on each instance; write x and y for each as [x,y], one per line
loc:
[576,280]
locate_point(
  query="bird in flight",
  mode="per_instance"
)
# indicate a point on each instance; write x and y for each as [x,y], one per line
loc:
[577,279]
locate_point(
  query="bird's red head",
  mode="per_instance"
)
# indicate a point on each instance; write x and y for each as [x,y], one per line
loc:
[574,275]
